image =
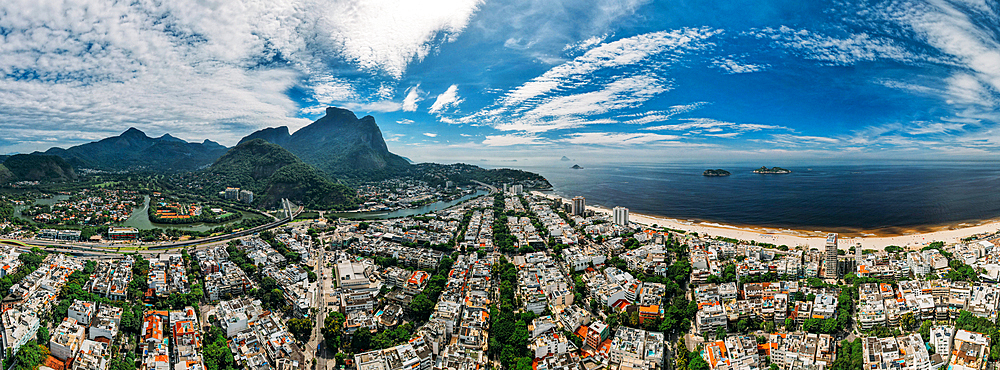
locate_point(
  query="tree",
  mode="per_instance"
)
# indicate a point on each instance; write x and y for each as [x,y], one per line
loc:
[42,335]
[789,325]
[300,328]
[421,306]
[697,363]
[361,340]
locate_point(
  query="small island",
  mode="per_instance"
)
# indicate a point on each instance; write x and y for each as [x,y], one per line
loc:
[565,159]
[576,167]
[771,171]
[715,173]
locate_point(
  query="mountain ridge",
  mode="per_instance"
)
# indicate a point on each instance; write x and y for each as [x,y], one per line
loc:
[134,150]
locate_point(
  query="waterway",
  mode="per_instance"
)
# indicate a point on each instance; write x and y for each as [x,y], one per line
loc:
[433,207]
[140,220]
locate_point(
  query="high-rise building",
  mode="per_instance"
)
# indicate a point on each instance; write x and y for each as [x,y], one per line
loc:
[831,257]
[857,254]
[246,196]
[621,216]
[232,193]
[579,205]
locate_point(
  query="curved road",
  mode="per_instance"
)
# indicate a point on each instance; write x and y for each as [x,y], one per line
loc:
[106,251]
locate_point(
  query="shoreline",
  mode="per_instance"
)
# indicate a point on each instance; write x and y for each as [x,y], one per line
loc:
[906,237]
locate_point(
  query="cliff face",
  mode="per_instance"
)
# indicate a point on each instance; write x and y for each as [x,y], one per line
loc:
[339,144]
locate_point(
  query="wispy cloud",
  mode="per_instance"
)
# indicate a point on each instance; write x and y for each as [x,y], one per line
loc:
[612,138]
[430,134]
[413,96]
[513,139]
[447,99]
[709,124]
[732,66]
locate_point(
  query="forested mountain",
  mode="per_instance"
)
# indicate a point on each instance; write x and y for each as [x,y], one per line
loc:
[340,145]
[272,173]
[38,167]
[134,151]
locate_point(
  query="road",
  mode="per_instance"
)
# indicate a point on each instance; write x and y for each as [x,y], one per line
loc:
[319,303]
[112,251]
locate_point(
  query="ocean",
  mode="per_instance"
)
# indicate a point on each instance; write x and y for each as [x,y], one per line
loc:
[885,198]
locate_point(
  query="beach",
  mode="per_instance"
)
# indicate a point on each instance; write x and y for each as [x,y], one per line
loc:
[809,239]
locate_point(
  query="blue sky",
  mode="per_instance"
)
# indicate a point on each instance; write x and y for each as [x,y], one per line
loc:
[453,80]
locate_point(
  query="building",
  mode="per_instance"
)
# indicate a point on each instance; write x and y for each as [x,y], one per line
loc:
[246,196]
[830,262]
[123,233]
[621,216]
[91,356]
[82,311]
[579,206]
[905,352]
[18,328]
[66,339]
[941,338]
[969,351]
[231,193]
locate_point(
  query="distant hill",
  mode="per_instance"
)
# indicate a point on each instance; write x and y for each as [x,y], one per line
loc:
[339,144]
[39,167]
[134,151]
[272,173]
[5,174]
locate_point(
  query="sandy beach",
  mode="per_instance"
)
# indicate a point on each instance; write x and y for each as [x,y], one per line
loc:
[812,239]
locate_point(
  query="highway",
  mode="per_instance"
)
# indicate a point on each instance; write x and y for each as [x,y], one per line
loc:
[112,251]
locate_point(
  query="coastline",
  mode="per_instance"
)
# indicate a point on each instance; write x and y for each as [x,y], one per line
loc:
[909,238]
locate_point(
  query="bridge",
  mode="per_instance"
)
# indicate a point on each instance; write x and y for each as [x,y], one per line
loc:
[14,242]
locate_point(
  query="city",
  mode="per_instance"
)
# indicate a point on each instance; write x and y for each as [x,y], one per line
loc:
[510,280]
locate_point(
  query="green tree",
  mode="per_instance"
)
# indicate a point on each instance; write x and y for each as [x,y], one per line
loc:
[300,328]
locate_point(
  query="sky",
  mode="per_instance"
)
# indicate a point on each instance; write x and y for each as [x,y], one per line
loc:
[451,80]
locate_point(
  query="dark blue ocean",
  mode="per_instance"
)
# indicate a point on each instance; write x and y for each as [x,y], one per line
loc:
[845,197]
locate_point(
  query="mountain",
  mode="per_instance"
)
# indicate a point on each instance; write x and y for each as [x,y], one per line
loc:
[5,174]
[564,159]
[39,167]
[340,144]
[273,173]
[273,135]
[133,150]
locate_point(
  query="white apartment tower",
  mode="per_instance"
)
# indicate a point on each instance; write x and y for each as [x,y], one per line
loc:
[579,205]
[831,257]
[621,216]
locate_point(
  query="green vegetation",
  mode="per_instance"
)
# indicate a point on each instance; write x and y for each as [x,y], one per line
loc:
[216,351]
[39,167]
[509,334]
[850,356]
[273,173]
[300,328]
[333,327]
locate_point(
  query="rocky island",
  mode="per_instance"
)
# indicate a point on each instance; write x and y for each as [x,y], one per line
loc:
[716,173]
[576,167]
[771,171]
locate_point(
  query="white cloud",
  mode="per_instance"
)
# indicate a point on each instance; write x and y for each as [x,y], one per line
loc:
[583,45]
[661,115]
[405,121]
[413,96]
[619,53]
[387,35]
[710,124]
[732,66]
[607,138]
[217,69]
[513,139]
[838,51]
[430,134]
[447,99]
